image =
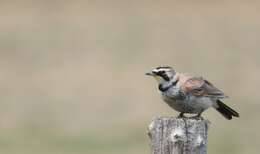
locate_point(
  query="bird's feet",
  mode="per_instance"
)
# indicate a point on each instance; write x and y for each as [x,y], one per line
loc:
[181,115]
[198,117]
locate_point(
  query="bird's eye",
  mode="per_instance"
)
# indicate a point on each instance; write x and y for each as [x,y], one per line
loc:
[160,72]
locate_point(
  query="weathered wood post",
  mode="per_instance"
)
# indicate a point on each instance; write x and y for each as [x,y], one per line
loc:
[170,135]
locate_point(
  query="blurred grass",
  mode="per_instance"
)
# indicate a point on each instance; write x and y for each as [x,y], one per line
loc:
[72,72]
[40,142]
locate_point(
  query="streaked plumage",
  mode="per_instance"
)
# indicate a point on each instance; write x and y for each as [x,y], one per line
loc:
[188,94]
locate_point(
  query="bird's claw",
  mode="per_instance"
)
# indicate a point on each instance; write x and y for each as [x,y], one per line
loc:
[197,117]
[181,115]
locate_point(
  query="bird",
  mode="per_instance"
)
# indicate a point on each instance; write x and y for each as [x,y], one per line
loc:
[190,94]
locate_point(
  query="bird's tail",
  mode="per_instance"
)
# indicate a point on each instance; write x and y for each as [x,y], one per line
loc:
[226,111]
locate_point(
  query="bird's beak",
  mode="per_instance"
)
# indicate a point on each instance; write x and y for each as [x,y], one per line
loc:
[149,73]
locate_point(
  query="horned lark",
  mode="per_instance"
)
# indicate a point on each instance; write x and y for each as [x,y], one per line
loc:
[188,94]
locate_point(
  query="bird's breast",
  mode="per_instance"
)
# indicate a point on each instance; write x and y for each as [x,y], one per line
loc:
[186,103]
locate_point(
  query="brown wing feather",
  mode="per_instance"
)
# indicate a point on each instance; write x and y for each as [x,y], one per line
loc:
[200,87]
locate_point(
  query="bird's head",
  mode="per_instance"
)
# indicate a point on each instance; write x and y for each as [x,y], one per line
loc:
[162,74]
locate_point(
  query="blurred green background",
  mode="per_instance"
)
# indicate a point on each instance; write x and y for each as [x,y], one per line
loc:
[72,72]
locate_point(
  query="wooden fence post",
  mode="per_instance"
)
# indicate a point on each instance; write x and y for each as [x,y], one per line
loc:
[170,135]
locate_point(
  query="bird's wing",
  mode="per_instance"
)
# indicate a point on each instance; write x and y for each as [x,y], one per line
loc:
[198,86]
